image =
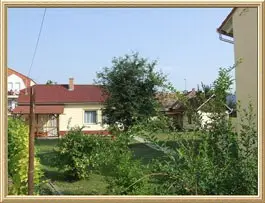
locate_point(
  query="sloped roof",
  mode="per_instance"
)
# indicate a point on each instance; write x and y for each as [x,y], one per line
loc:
[48,109]
[169,101]
[25,79]
[227,23]
[60,94]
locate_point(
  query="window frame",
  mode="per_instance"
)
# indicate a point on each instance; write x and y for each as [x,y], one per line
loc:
[12,86]
[90,110]
[19,86]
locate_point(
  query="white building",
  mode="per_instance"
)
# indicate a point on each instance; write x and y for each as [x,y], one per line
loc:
[15,82]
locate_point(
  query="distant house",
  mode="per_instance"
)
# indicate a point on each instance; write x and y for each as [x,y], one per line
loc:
[240,28]
[60,107]
[173,107]
[16,81]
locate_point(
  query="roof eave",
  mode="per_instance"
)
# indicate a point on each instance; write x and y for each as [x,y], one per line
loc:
[30,79]
[224,27]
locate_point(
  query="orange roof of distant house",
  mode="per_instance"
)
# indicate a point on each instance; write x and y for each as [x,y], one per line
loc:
[25,79]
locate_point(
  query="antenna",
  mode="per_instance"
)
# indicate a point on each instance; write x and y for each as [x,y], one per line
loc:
[185,84]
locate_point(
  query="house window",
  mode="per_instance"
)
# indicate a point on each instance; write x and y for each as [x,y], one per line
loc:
[90,117]
[10,86]
[17,86]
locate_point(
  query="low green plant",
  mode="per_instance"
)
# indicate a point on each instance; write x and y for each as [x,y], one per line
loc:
[77,154]
[248,148]
[124,171]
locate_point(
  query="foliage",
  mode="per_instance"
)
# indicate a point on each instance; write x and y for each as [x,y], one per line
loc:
[222,162]
[50,82]
[248,146]
[124,171]
[216,161]
[77,154]
[130,86]
[18,151]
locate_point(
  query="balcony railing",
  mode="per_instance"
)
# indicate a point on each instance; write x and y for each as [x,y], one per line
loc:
[13,93]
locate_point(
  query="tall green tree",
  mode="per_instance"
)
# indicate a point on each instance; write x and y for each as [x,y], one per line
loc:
[131,84]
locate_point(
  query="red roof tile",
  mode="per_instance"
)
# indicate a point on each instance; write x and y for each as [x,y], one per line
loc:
[60,94]
[58,109]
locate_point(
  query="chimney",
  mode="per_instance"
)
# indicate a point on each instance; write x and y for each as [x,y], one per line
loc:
[71,84]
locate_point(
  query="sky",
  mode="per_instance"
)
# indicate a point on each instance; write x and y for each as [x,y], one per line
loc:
[78,42]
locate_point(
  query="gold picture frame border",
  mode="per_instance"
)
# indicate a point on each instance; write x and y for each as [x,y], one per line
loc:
[128,4]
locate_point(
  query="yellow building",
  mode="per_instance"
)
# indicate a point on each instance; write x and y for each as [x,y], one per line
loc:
[240,28]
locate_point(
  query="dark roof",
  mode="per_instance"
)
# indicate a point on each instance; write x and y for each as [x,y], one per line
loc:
[60,94]
[228,17]
[169,101]
[48,109]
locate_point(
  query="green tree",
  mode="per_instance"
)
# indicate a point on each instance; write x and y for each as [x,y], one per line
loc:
[50,82]
[131,85]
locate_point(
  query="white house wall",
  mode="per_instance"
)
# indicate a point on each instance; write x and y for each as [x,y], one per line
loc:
[14,79]
[245,28]
[206,118]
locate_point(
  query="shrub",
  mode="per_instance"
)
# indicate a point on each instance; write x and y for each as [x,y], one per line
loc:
[77,154]
[248,151]
[18,151]
[125,174]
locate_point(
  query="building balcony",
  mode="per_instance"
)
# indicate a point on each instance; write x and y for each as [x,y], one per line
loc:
[12,92]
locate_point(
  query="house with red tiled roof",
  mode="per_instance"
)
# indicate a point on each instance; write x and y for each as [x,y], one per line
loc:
[59,107]
[16,81]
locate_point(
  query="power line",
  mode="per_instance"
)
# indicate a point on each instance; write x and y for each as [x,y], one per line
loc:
[37,44]
[32,121]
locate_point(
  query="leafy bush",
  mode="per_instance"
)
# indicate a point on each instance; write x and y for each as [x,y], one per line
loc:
[77,154]
[124,173]
[248,148]
[18,151]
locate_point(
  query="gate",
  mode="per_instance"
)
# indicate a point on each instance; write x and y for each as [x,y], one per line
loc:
[47,125]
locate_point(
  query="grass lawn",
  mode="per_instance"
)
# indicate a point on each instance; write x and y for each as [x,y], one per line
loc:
[171,139]
[95,185]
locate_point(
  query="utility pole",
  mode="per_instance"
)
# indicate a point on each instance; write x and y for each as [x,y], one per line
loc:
[31,142]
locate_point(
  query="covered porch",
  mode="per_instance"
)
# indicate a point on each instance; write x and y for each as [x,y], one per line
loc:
[46,119]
